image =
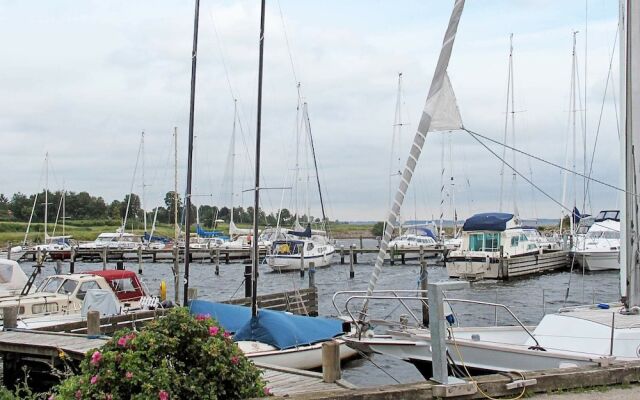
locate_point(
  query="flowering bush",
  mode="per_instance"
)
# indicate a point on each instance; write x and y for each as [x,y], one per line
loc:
[175,357]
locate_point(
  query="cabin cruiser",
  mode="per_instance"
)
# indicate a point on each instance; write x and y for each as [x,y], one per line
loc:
[600,248]
[300,249]
[488,237]
[63,294]
[115,240]
[413,242]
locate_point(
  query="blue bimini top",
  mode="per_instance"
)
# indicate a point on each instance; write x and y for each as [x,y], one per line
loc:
[487,222]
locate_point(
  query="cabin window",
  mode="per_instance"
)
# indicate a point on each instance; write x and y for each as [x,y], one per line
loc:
[44,308]
[514,241]
[122,285]
[82,292]
[476,241]
[51,286]
[68,287]
[491,241]
[309,246]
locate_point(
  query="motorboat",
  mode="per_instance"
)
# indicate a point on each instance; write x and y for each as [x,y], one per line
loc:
[12,278]
[57,247]
[600,248]
[487,238]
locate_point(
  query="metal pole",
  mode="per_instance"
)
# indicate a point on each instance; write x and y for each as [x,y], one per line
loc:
[187,212]
[256,202]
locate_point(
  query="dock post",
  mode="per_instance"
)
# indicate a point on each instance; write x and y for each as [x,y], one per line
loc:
[93,323]
[38,257]
[72,261]
[392,255]
[248,280]
[211,259]
[176,273]
[154,255]
[192,293]
[139,260]
[9,251]
[10,317]
[424,281]
[341,254]
[352,273]
[402,256]
[302,261]
[104,258]
[361,245]
[218,261]
[226,259]
[331,361]
[312,277]
[438,329]
[120,265]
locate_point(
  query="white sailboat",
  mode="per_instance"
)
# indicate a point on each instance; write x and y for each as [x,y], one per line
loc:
[573,336]
[599,249]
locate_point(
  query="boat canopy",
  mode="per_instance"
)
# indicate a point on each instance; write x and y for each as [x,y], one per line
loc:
[208,234]
[285,331]
[125,284]
[277,328]
[306,233]
[487,222]
[604,215]
[156,238]
[12,277]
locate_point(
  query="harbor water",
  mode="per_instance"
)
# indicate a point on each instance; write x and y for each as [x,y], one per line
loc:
[529,298]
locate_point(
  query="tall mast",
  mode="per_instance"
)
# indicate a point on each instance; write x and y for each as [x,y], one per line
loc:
[176,229]
[441,230]
[514,186]
[394,162]
[64,208]
[256,201]
[297,169]
[46,195]
[630,87]
[143,203]
[233,156]
[315,161]
[573,130]
[187,212]
[506,122]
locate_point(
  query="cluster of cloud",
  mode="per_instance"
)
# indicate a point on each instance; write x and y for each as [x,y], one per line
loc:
[82,80]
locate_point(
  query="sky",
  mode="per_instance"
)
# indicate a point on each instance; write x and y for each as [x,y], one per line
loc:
[82,80]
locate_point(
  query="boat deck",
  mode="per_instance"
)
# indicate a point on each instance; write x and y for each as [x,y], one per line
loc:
[288,381]
[605,317]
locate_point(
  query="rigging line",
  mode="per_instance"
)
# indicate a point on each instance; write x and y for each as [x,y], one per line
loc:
[517,172]
[286,39]
[604,97]
[550,163]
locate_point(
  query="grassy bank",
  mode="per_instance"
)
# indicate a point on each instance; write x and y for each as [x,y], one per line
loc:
[89,229]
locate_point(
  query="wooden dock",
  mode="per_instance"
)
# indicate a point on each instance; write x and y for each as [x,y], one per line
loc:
[291,382]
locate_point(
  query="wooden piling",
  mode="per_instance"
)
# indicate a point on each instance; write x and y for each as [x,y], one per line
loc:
[424,281]
[139,260]
[93,323]
[72,261]
[192,293]
[331,361]
[341,254]
[302,261]
[226,257]
[361,245]
[351,271]
[10,317]
[402,256]
[104,258]
[218,261]
[312,277]
[9,251]
[392,255]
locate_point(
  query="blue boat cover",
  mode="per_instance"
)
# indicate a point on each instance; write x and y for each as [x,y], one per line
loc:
[156,238]
[306,233]
[487,222]
[285,331]
[229,316]
[427,232]
[208,234]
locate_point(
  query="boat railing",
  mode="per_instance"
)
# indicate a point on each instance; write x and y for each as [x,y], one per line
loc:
[396,296]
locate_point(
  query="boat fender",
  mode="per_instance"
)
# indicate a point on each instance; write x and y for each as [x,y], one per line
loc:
[603,306]
[163,290]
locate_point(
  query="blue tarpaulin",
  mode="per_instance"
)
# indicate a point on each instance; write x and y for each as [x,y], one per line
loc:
[487,222]
[427,232]
[229,316]
[306,233]
[285,331]
[156,238]
[208,234]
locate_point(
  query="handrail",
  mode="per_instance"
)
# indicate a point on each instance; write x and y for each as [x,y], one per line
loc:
[424,300]
[390,291]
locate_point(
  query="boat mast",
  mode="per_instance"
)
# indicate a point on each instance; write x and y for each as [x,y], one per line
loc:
[441,230]
[506,123]
[46,195]
[315,163]
[176,229]
[438,83]
[187,211]
[630,63]
[233,158]
[256,202]
[143,203]
[573,131]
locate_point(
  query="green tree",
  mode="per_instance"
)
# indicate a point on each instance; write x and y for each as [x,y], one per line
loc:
[377,229]
[169,201]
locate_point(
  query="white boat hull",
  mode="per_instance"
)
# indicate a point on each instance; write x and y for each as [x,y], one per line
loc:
[598,260]
[286,263]
[303,357]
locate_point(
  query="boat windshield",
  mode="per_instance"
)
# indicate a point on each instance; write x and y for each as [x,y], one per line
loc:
[68,287]
[603,235]
[484,241]
[51,285]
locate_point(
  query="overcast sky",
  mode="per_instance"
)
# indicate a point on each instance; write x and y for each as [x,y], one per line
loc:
[81,80]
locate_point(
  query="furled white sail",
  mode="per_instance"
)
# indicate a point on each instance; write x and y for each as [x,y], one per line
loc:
[431,109]
[444,109]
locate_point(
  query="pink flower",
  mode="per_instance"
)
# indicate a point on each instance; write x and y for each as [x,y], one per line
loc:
[129,375]
[122,342]
[78,394]
[163,395]
[213,330]
[267,391]
[227,335]
[94,379]
[202,317]
[96,357]
[235,360]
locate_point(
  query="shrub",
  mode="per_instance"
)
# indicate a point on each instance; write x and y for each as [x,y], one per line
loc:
[175,357]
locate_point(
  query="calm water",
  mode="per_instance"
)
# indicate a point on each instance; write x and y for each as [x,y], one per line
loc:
[523,296]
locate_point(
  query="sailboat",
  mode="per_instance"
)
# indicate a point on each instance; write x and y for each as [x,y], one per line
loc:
[277,337]
[574,336]
[303,247]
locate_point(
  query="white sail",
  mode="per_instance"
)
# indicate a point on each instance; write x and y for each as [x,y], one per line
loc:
[439,85]
[446,114]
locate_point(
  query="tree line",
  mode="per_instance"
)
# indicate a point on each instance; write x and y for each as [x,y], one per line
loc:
[83,206]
